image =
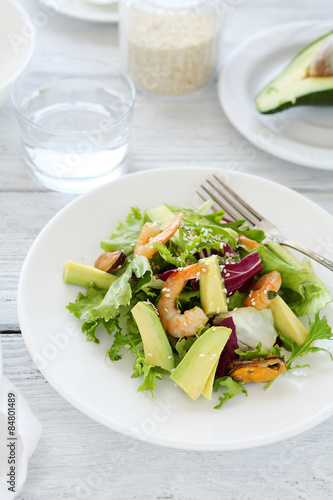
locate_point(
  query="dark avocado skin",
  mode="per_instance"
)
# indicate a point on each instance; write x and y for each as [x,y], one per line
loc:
[323,98]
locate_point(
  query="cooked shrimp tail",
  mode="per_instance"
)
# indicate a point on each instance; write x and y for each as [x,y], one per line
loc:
[151,233]
[258,295]
[177,324]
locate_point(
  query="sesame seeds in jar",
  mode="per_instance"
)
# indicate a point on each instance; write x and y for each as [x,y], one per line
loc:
[170,47]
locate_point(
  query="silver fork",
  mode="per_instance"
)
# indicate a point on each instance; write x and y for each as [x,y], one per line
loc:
[240,208]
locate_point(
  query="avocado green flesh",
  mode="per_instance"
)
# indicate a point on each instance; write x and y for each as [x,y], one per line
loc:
[156,346]
[284,254]
[293,87]
[286,322]
[195,373]
[80,274]
[162,215]
[212,295]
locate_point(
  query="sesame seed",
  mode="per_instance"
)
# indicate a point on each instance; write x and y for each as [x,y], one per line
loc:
[198,274]
[167,295]
[213,355]
[201,355]
[166,310]
[265,291]
[132,244]
[169,357]
[214,328]
[150,354]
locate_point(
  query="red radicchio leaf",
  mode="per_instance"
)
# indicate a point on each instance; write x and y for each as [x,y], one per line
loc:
[237,276]
[228,250]
[164,276]
[228,354]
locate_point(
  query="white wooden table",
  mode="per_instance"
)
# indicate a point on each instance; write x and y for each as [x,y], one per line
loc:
[76,457]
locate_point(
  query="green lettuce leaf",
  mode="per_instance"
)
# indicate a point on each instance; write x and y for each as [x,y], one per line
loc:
[183,345]
[301,289]
[292,277]
[84,303]
[127,233]
[319,330]
[232,389]
[166,254]
[130,341]
[313,294]
[236,300]
[210,224]
[149,372]
[81,309]
[121,290]
[258,352]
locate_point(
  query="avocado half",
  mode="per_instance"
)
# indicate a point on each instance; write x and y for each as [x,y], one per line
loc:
[293,86]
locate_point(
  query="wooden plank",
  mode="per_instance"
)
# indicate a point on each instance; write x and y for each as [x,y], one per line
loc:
[76,457]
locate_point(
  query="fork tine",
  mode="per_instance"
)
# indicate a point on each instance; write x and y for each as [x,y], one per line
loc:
[240,200]
[215,205]
[239,209]
[227,210]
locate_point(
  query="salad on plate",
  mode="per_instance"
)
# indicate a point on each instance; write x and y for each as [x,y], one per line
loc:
[201,300]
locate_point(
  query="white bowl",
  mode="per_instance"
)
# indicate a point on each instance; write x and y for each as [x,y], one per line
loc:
[17,40]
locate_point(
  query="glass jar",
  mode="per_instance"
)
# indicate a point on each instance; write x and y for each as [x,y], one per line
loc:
[170,47]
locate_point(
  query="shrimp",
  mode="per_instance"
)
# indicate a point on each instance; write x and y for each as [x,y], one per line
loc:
[177,324]
[249,243]
[151,233]
[258,294]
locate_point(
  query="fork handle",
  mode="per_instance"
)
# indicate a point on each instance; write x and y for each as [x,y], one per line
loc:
[310,253]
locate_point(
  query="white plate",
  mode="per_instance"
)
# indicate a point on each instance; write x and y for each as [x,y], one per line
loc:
[86,11]
[104,390]
[17,41]
[301,135]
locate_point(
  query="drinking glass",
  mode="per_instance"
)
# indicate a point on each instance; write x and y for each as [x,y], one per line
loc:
[75,118]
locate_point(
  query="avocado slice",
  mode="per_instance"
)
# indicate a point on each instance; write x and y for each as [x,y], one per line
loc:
[286,321]
[212,292]
[294,86]
[162,215]
[195,373]
[284,254]
[80,274]
[155,342]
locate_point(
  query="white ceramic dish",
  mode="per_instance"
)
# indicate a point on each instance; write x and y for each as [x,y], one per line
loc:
[104,390]
[104,12]
[301,135]
[17,41]
[102,2]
